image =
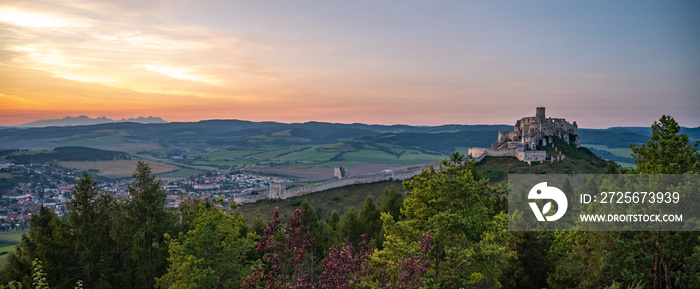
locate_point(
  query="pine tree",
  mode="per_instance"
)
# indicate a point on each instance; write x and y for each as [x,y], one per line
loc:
[147,221]
[370,217]
[90,219]
[391,202]
[667,152]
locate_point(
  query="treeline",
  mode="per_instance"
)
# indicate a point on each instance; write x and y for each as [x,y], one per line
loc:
[68,154]
[451,232]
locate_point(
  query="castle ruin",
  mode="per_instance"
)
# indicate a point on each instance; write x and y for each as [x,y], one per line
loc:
[527,134]
[531,131]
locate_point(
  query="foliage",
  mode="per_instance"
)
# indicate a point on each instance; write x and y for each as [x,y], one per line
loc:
[284,254]
[215,253]
[146,222]
[343,268]
[103,242]
[413,267]
[391,202]
[39,277]
[667,152]
[459,208]
[660,259]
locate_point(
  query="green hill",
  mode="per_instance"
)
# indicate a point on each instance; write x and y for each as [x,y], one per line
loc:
[576,161]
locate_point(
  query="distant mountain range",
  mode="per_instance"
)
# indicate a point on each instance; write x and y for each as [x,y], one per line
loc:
[85,120]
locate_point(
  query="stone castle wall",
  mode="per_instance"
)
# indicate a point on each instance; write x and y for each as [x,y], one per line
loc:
[535,156]
[279,191]
[492,152]
[480,153]
[253,197]
[396,173]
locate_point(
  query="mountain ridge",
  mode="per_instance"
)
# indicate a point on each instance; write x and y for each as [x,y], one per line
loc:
[86,120]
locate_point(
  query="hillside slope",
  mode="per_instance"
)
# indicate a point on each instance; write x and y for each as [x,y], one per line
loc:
[576,161]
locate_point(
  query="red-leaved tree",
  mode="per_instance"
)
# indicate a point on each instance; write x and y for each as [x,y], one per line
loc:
[344,268]
[413,268]
[284,255]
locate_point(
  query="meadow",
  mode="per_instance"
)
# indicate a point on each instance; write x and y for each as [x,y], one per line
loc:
[15,237]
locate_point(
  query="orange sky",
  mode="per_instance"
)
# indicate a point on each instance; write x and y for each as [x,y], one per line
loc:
[392,62]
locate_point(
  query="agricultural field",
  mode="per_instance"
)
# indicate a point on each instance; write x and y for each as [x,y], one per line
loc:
[179,174]
[117,168]
[312,156]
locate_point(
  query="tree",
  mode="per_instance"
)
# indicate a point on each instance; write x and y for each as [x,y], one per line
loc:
[90,219]
[530,269]
[667,152]
[391,202]
[344,268]
[664,259]
[214,254]
[370,217]
[147,220]
[104,243]
[284,255]
[322,240]
[612,168]
[460,210]
[350,227]
[413,267]
[49,240]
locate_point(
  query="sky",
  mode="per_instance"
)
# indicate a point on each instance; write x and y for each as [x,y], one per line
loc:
[600,63]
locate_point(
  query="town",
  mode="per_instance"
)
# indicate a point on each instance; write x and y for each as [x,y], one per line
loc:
[51,186]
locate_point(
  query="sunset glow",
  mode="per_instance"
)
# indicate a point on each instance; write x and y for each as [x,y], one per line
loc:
[432,62]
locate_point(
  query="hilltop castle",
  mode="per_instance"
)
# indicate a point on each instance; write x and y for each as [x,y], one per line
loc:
[528,133]
[531,130]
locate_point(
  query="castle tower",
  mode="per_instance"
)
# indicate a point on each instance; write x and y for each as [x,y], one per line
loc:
[340,172]
[539,115]
[277,191]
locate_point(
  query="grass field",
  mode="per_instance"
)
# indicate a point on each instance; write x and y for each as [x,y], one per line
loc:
[325,202]
[13,237]
[119,168]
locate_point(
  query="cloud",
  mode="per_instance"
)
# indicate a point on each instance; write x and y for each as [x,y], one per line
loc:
[33,19]
[299,61]
[78,41]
